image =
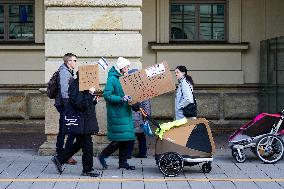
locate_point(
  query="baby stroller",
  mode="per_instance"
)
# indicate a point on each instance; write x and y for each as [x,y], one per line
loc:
[262,135]
[186,145]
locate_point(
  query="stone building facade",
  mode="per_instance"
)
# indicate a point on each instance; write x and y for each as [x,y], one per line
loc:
[225,68]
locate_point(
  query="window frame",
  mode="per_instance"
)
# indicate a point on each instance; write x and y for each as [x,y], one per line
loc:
[6,4]
[197,19]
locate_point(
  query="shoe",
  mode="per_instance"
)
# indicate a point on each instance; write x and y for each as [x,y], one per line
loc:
[91,173]
[57,164]
[102,161]
[129,157]
[71,161]
[126,166]
[140,156]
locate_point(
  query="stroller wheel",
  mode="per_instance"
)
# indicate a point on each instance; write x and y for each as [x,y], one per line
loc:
[170,164]
[234,153]
[269,148]
[206,168]
[253,150]
[240,158]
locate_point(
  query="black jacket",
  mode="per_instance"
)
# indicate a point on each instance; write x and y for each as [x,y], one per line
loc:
[82,102]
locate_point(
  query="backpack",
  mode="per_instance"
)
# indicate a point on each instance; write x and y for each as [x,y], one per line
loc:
[52,86]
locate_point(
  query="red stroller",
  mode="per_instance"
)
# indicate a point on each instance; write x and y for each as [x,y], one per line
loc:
[262,135]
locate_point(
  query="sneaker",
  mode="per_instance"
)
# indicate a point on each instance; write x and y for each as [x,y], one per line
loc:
[71,161]
[57,164]
[102,161]
[126,166]
[140,156]
[91,173]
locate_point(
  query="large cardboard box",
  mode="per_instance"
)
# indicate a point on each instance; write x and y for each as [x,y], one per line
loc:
[191,139]
[148,83]
[88,77]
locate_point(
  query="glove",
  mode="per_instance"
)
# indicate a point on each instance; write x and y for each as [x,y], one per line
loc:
[127,98]
[135,107]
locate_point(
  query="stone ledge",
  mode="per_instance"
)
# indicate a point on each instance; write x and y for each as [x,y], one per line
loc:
[23,47]
[214,47]
[23,126]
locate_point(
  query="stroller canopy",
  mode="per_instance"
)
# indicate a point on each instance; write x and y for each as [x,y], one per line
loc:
[192,139]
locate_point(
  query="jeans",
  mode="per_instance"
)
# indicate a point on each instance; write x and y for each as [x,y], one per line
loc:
[61,135]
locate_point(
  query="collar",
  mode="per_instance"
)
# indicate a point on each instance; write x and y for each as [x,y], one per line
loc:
[181,79]
[69,69]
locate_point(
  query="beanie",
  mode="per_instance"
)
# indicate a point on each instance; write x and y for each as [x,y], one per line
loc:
[121,63]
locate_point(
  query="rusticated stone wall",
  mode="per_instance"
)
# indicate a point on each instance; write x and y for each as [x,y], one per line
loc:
[90,29]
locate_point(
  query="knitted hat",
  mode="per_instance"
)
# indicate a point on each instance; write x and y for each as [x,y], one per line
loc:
[121,63]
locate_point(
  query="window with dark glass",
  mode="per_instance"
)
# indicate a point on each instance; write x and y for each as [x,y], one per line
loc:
[197,20]
[16,20]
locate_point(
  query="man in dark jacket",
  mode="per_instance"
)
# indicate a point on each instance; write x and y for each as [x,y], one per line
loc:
[62,100]
[83,103]
[120,128]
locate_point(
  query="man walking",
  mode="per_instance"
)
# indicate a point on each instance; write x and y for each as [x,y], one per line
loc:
[62,100]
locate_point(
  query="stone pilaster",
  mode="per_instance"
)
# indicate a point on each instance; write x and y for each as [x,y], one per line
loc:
[90,29]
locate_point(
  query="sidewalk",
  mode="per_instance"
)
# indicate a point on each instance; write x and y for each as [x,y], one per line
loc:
[22,169]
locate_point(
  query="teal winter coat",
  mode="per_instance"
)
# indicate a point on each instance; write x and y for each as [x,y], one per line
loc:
[119,116]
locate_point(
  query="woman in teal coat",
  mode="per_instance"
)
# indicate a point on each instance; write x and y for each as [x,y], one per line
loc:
[120,128]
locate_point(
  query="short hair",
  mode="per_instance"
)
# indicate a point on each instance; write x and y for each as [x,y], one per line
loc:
[68,55]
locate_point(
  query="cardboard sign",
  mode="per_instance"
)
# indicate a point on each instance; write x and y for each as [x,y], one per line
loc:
[148,83]
[88,77]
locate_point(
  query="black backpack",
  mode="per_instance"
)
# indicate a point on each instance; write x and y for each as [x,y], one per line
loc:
[52,86]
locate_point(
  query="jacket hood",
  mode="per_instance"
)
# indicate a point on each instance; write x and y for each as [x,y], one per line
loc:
[113,72]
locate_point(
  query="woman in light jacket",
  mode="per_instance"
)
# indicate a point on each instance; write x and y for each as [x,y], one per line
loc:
[184,94]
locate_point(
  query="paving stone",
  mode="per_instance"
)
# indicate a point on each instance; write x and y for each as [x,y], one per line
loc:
[198,185]
[247,185]
[220,185]
[151,185]
[87,185]
[133,185]
[110,185]
[177,184]
[273,185]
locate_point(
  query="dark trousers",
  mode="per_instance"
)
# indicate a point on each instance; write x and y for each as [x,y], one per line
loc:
[113,146]
[142,146]
[82,141]
[61,135]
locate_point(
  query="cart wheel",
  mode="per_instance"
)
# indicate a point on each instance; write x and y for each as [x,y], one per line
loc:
[170,164]
[206,168]
[240,158]
[269,148]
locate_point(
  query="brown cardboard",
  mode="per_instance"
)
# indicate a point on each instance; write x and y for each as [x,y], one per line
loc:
[175,139]
[143,85]
[88,77]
